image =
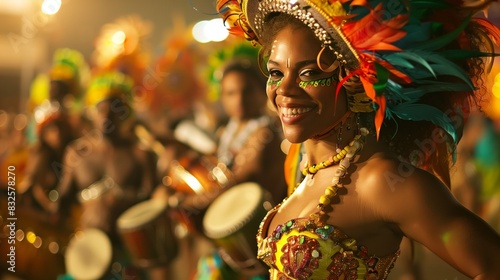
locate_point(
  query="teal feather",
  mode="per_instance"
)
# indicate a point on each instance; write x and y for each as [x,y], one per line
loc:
[426,65]
[442,41]
[413,94]
[423,112]
[422,8]
[404,59]
[429,4]
[465,54]
[415,32]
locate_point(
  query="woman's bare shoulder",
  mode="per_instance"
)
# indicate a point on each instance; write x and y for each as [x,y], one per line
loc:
[394,186]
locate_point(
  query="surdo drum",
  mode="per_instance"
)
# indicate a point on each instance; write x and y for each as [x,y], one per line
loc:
[89,254]
[146,231]
[232,221]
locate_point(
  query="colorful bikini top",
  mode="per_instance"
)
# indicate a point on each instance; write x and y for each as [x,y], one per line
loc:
[304,248]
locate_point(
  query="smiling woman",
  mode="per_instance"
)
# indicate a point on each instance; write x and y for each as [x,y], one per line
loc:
[376,93]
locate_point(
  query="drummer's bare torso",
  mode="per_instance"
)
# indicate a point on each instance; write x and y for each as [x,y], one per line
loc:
[124,163]
[130,167]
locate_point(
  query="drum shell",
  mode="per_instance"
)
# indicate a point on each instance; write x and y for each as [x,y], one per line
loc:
[197,179]
[152,243]
[200,169]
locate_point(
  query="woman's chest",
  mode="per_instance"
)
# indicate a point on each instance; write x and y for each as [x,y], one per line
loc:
[348,210]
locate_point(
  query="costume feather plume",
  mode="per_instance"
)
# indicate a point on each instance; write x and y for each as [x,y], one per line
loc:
[422,112]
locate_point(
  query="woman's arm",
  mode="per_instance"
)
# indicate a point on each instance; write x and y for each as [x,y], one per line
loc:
[426,212]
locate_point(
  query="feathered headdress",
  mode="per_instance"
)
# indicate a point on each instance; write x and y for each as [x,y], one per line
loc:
[107,85]
[229,53]
[175,82]
[69,66]
[396,48]
[121,46]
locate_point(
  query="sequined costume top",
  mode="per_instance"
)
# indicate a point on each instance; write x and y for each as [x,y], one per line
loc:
[303,248]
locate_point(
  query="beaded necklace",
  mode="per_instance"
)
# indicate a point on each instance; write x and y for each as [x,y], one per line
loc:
[343,158]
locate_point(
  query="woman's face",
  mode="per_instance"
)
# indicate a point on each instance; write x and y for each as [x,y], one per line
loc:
[302,93]
[241,96]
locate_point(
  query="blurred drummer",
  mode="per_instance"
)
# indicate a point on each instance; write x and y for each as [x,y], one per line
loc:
[106,169]
[44,167]
[248,143]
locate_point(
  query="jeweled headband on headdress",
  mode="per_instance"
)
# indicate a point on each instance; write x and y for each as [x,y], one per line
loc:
[396,48]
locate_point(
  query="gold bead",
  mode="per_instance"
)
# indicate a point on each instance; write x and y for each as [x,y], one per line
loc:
[324,200]
[330,191]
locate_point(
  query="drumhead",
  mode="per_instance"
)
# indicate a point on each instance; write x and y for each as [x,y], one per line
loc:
[140,214]
[232,209]
[88,255]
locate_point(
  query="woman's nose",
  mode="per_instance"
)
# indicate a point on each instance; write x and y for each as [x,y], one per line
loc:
[288,86]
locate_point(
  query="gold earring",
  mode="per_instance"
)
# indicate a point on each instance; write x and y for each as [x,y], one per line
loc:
[332,67]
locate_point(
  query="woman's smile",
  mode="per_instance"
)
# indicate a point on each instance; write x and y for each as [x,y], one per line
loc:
[291,115]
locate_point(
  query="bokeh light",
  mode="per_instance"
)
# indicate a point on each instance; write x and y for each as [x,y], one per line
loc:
[51,7]
[210,31]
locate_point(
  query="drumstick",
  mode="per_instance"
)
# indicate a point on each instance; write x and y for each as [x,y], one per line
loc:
[148,139]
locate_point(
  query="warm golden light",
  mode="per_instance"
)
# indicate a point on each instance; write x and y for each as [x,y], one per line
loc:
[31,237]
[210,31]
[496,86]
[118,37]
[19,235]
[51,7]
[14,6]
[38,242]
[53,247]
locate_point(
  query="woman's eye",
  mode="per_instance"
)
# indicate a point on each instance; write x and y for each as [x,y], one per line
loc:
[275,74]
[309,74]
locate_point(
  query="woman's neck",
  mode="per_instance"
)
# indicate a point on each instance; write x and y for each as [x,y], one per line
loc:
[320,150]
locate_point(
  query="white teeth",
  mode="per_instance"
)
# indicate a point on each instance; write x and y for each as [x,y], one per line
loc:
[290,112]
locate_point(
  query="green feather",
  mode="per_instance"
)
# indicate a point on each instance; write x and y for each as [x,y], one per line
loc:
[422,112]
[440,42]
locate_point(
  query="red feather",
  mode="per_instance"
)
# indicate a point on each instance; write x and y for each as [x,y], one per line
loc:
[373,33]
[492,29]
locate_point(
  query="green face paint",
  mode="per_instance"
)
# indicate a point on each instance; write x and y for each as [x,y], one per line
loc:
[316,83]
[275,83]
[305,84]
